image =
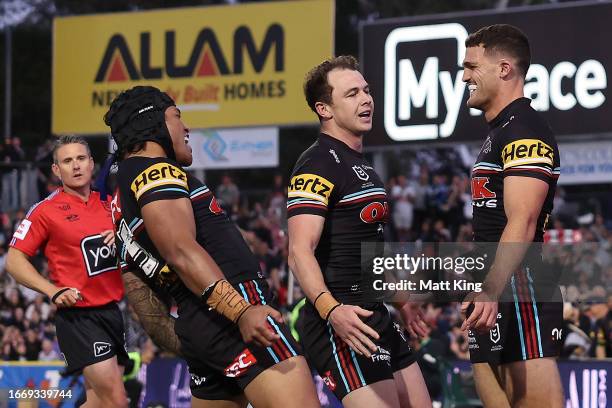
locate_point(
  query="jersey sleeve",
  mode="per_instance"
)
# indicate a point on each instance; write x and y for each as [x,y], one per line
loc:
[312,187]
[528,156]
[32,233]
[162,180]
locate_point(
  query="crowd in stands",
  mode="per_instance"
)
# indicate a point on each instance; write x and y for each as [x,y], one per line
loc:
[426,204]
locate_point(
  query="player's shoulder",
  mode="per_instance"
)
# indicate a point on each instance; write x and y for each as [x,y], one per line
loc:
[40,207]
[318,158]
[527,124]
[136,164]
[138,170]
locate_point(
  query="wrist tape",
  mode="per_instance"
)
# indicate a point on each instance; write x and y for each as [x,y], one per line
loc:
[325,304]
[225,300]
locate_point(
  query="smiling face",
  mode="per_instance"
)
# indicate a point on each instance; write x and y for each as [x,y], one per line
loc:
[179,133]
[73,166]
[351,105]
[482,75]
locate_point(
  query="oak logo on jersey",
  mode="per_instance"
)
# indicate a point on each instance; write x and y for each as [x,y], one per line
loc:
[214,207]
[480,190]
[527,151]
[375,212]
[158,174]
[311,186]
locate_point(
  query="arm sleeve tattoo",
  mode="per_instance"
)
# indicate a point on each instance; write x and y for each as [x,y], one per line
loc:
[152,312]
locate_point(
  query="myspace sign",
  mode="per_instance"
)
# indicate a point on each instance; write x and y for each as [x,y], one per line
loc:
[414,68]
[404,90]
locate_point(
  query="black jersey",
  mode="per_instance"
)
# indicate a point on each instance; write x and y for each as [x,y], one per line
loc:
[519,143]
[142,180]
[334,181]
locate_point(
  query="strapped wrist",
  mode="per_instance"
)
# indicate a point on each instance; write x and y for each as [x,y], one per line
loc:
[225,300]
[325,303]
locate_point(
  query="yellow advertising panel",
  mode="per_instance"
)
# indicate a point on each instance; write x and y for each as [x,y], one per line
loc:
[225,66]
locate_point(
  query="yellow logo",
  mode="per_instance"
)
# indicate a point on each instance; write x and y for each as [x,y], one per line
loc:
[527,151]
[157,175]
[311,186]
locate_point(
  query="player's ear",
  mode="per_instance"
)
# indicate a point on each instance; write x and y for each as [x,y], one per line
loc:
[505,68]
[323,110]
[55,169]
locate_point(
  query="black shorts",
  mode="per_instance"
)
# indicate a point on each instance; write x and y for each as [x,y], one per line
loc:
[341,368]
[88,335]
[525,329]
[221,364]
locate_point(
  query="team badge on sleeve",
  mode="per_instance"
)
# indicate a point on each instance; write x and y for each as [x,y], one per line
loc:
[309,189]
[158,177]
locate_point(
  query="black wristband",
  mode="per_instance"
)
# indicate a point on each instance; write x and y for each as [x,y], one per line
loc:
[58,294]
[332,309]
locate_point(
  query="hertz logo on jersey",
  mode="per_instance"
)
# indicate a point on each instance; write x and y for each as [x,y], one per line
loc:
[311,186]
[157,175]
[527,151]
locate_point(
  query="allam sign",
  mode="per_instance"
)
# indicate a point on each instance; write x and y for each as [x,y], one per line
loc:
[224,66]
[414,67]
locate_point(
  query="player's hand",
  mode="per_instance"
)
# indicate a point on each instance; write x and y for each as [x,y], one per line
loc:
[483,315]
[413,318]
[346,321]
[66,297]
[255,327]
[109,237]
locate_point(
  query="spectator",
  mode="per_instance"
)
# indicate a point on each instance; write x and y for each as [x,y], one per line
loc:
[47,352]
[403,210]
[33,345]
[228,195]
[593,323]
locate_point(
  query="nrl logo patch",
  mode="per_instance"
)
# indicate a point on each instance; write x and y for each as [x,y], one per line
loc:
[494,334]
[361,173]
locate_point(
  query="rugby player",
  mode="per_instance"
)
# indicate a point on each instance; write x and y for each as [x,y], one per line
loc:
[513,184]
[73,228]
[337,201]
[173,233]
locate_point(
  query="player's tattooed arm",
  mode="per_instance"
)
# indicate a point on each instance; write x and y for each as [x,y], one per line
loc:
[152,312]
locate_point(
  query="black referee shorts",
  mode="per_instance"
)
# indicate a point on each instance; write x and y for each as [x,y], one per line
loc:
[88,335]
[221,364]
[343,370]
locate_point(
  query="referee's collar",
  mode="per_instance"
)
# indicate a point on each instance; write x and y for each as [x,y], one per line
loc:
[511,108]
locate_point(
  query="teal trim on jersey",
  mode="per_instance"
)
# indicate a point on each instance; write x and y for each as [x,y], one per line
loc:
[370,190]
[180,190]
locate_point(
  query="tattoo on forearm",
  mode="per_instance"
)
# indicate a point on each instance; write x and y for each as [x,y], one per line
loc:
[152,312]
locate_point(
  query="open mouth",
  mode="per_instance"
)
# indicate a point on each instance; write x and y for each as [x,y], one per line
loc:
[187,138]
[472,88]
[365,114]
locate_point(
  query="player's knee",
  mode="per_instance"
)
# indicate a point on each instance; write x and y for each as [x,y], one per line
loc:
[117,398]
